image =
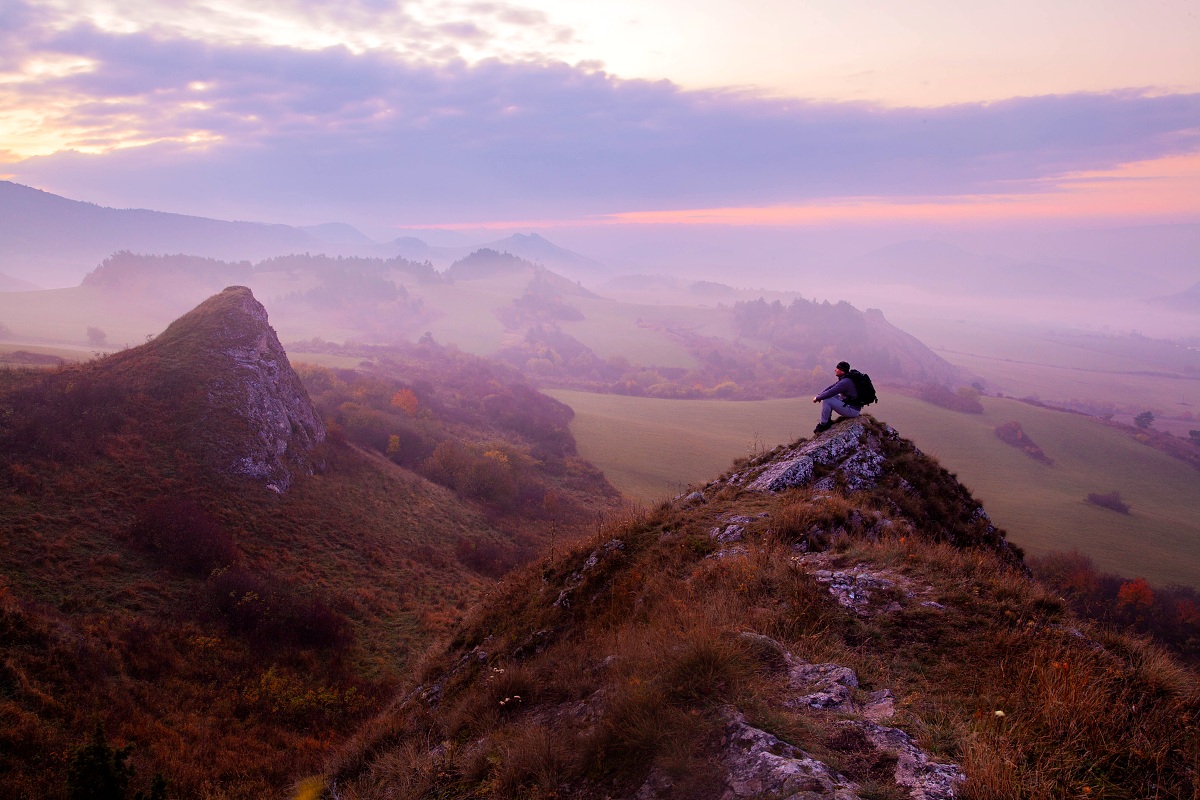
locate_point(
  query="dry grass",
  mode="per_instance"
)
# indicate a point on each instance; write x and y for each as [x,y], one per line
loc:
[632,676]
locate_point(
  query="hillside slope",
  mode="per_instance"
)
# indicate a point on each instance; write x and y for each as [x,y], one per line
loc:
[835,619]
[227,580]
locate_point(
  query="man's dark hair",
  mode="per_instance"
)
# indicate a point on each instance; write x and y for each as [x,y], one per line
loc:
[844,366]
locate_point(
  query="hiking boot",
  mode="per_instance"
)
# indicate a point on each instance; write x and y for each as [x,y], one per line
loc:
[822,427]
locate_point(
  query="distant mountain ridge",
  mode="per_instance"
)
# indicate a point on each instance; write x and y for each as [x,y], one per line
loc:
[52,241]
[531,247]
[11,284]
[1188,300]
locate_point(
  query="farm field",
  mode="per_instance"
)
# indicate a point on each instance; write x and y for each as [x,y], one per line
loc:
[653,449]
[1129,373]
[613,329]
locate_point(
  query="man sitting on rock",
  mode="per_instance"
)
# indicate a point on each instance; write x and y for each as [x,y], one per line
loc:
[841,397]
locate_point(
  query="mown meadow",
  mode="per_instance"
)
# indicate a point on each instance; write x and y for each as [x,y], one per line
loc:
[652,449]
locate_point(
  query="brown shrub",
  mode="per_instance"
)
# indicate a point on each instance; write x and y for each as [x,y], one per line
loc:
[965,399]
[268,613]
[1111,501]
[1011,433]
[185,536]
[532,761]
[492,558]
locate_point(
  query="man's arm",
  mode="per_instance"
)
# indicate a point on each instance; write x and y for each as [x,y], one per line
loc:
[844,386]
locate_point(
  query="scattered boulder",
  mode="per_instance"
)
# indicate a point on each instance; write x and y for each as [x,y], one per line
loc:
[759,764]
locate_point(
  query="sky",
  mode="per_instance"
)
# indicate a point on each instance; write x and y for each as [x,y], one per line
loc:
[563,116]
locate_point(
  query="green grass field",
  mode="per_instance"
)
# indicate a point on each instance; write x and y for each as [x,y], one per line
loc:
[652,449]
[1130,373]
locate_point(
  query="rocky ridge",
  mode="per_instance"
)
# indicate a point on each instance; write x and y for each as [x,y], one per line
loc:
[856,458]
[757,763]
[864,455]
[835,620]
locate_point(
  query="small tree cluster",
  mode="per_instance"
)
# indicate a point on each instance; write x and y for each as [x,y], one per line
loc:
[964,399]
[421,429]
[1170,614]
[1109,500]
[489,472]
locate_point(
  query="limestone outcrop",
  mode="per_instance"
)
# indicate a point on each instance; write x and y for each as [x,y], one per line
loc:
[228,391]
[850,448]
[865,455]
[259,386]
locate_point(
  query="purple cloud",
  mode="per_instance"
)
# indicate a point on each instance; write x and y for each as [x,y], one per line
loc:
[337,134]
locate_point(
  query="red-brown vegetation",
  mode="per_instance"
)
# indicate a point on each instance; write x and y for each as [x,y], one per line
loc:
[594,672]
[1013,434]
[1110,500]
[964,399]
[229,635]
[183,535]
[469,424]
[1170,614]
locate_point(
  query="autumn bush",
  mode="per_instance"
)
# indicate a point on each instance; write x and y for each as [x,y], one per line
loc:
[493,558]
[1110,500]
[1169,614]
[269,613]
[293,699]
[964,399]
[183,535]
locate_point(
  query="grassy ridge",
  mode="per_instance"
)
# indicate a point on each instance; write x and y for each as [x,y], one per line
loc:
[588,675]
[653,448]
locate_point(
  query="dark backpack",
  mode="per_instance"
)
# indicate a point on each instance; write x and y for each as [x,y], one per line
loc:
[864,388]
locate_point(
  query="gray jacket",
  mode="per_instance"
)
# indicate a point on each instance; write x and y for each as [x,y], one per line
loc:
[845,387]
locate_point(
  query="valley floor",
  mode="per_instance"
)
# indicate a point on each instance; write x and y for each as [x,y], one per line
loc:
[653,449]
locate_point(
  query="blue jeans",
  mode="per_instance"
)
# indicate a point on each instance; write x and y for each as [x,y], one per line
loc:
[831,404]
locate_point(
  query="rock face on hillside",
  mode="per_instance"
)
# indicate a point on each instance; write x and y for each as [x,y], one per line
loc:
[861,454]
[239,399]
[849,450]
